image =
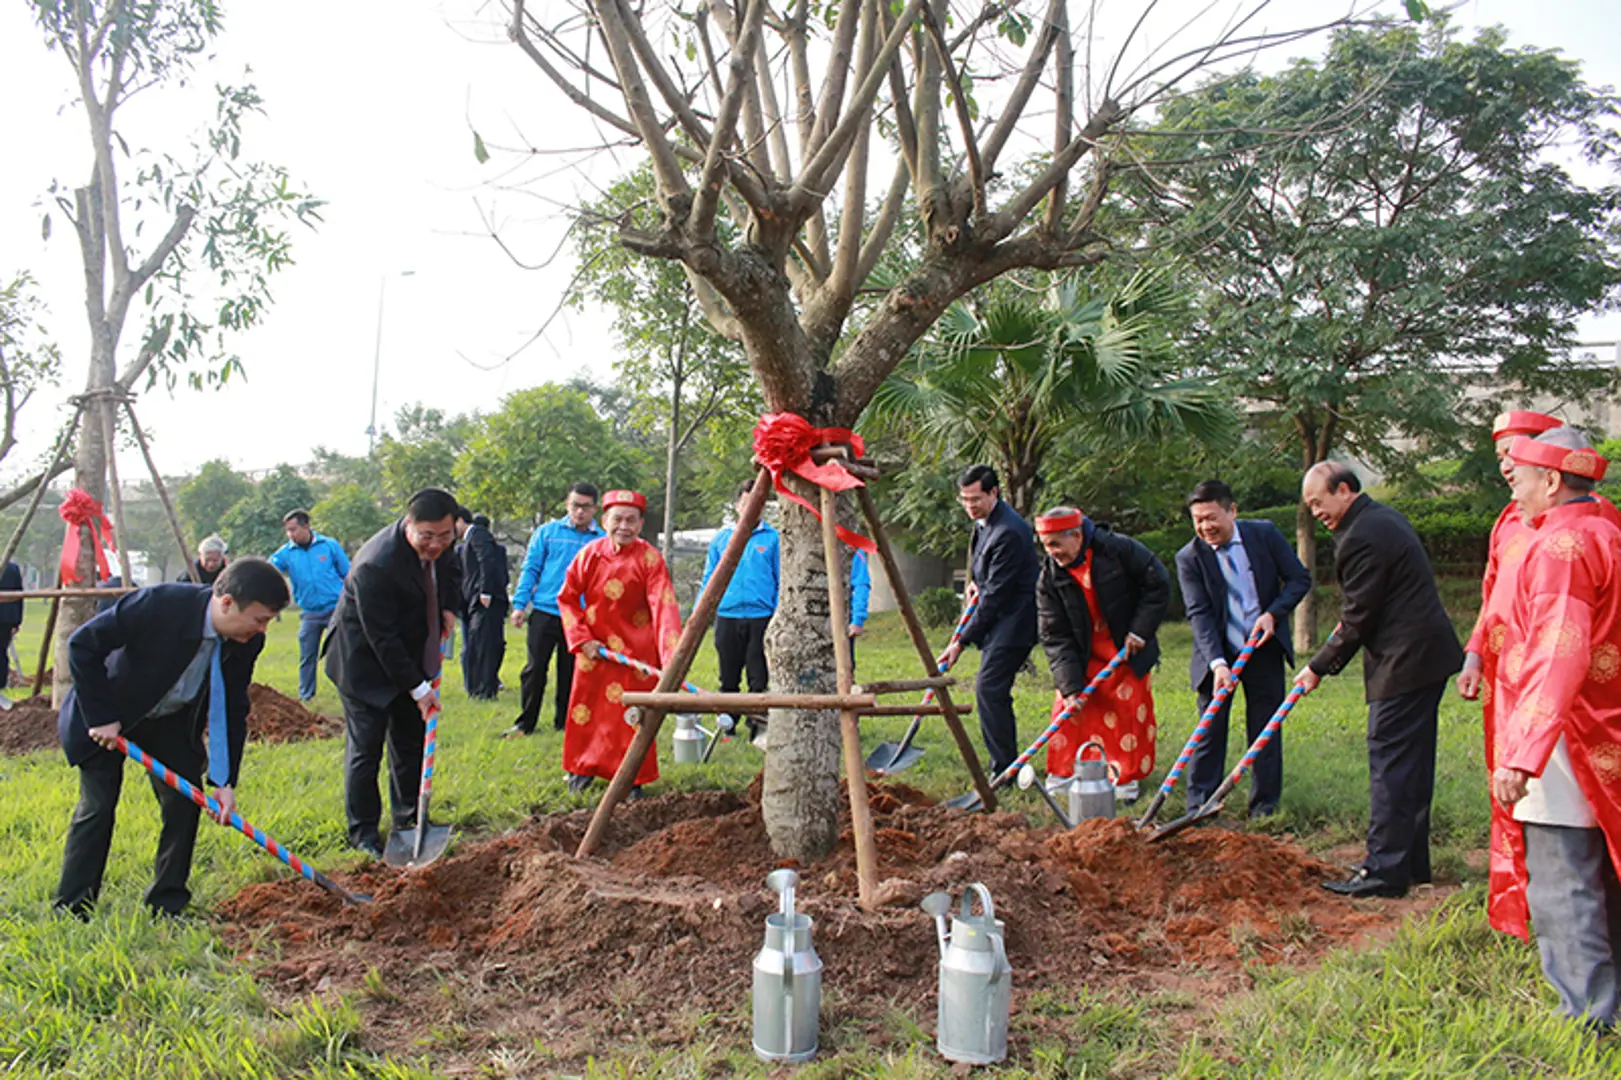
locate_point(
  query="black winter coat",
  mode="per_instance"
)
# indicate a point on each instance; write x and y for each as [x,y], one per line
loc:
[1133,592]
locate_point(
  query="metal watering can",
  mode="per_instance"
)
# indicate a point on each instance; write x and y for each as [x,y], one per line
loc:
[787,981]
[687,744]
[976,980]
[1091,793]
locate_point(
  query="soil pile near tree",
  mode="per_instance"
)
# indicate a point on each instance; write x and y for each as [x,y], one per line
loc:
[273,717]
[654,941]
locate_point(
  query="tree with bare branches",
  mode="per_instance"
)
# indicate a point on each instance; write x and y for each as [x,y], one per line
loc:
[813,127]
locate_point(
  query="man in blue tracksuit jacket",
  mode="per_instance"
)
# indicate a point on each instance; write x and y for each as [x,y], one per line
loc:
[317,567]
[860,594]
[747,607]
[551,548]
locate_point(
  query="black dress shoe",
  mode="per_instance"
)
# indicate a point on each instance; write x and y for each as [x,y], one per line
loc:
[368,847]
[578,783]
[1360,884]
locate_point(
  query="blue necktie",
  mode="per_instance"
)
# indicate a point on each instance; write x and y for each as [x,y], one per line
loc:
[219,744]
[1238,589]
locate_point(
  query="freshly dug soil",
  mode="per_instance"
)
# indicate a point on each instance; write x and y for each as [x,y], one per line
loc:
[513,940]
[273,717]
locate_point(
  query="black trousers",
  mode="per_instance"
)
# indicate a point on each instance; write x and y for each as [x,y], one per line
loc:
[545,637]
[993,699]
[1262,682]
[485,648]
[367,729]
[1401,777]
[740,647]
[175,741]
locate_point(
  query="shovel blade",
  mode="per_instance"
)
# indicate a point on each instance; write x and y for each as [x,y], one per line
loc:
[967,801]
[890,758]
[403,844]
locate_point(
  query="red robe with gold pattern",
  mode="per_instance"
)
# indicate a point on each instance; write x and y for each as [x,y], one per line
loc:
[1119,714]
[630,607]
[1561,668]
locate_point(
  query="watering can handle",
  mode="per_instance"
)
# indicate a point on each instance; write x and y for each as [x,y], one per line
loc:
[1103,754]
[986,907]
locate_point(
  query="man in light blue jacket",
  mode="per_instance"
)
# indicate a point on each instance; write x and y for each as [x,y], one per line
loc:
[746,608]
[317,566]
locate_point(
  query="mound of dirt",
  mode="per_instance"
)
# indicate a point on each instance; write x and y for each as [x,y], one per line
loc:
[273,717]
[661,929]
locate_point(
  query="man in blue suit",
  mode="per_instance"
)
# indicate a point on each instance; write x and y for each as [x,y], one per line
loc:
[170,666]
[1238,577]
[1005,569]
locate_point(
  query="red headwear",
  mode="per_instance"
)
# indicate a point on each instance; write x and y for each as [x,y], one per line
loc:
[625,498]
[1060,519]
[1524,451]
[1523,423]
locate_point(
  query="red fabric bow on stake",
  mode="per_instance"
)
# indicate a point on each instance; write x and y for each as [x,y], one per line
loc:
[783,443]
[78,510]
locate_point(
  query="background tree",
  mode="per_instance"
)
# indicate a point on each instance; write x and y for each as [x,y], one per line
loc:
[253,526]
[522,458]
[349,514]
[1416,235]
[683,375]
[421,453]
[28,360]
[213,221]
[203,501]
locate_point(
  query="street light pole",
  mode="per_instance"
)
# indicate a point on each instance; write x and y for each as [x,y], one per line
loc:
[377,357]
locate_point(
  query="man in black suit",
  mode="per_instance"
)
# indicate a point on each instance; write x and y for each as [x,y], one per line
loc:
[484,606]
[1005,569]
[1392,610]
[1238,578]
[169,666]
[399,603]
[11,615]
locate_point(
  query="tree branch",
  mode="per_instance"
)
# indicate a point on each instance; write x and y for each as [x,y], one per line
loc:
[965,122]
[672,184]
[520,36]
[1013,111]
[738,81]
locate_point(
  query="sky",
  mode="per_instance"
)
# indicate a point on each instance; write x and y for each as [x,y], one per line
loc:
[372,106]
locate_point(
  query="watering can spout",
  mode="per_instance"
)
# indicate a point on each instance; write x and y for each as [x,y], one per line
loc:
[938,906]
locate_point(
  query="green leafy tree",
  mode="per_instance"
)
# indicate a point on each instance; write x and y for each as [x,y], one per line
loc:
[522,458]
[334,468]
[28,360]
[421,453]
[349,514]
[1413,236]
[203,501]
[253,526]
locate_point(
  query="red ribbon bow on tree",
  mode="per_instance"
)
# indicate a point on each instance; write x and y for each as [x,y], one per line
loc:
[78,510]
[783,443]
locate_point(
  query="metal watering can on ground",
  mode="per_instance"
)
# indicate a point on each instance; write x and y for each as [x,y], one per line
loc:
[787,981]
[1091,793]
[687,744]
[976,980]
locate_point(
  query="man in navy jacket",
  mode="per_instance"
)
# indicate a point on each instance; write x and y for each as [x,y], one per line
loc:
[144,667]
[1238,577]
[1005,570]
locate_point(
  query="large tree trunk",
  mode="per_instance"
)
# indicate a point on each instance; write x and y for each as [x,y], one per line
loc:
[800,800]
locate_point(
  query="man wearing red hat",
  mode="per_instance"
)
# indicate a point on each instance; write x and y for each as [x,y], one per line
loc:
[1558,742]
[617,593]
[1100,592]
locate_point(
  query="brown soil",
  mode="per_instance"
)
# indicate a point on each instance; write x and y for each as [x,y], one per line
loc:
[273,717]
[510,940]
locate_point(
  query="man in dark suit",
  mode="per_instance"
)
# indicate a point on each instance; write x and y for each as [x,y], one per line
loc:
[1392,610]
[169,666]
[484,600]
[11,615]
[399,602]
[1005,569]
[1238,577]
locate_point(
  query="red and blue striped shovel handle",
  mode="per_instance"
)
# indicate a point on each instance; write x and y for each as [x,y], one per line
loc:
[646,669]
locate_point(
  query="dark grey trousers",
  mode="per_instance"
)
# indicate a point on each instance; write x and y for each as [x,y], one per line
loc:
[366,730]
[1262,682]
[1576,910]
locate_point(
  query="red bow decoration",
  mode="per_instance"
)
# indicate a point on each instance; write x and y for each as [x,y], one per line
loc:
[78,510]
[783,443]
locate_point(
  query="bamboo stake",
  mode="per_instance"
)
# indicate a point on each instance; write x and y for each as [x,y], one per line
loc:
[675,672]
[45,642]
[920,641]
[70,593]
[115,494]
[904,686]
[163,492]
[915,710]
[855,769]
[44,483]
[713,702]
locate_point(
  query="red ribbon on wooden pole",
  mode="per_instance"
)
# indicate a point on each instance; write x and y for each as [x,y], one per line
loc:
[783,443]
[78,510]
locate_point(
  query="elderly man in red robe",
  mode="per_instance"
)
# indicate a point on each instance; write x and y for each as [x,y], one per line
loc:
[1558,752]
[629,607]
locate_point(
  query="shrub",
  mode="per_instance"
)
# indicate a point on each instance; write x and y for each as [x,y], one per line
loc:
[938,606]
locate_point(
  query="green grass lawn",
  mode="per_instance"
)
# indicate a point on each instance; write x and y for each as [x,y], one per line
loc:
[127,997]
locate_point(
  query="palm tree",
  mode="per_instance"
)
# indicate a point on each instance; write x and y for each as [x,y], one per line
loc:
[1006,383]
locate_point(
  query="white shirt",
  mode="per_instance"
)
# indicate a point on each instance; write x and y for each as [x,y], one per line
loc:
[1555,798]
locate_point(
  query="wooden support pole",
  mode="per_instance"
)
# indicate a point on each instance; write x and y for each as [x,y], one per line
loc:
[45,642]
[163,492]
[920,641]
[115,494]
[904,686]
[70,593]
[675,672]
[44,484]
[710,702]
[915,710]
[855,769]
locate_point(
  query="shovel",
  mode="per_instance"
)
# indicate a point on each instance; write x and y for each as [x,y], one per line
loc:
[415,848]
[1213,805]
[890,758]
[971,800]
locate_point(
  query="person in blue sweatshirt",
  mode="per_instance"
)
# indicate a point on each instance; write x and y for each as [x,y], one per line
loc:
[860,594]
[746,608]
[551,549]
[317,566]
